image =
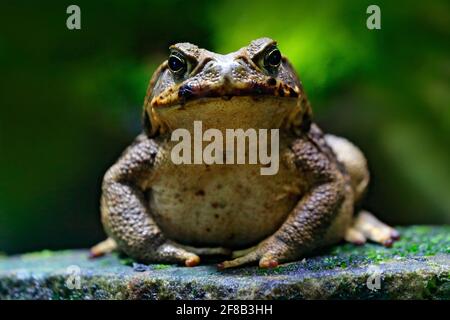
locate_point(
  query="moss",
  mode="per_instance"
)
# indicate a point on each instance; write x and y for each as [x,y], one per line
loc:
[415,241]
[431,287]
[160,266]
[38,254]
[126,261]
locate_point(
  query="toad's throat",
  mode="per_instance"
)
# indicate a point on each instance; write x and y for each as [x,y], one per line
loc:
[249,145]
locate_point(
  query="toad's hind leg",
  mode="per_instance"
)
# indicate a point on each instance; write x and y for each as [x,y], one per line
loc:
[365,225]
[373,229]
[354,161]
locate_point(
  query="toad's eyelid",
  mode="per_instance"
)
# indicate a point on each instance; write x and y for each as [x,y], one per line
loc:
[177,53]
[184,54]
[258,59]
[257,56]
[262,49]
[268,49]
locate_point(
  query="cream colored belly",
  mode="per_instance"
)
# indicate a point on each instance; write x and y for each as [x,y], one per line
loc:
[222,205]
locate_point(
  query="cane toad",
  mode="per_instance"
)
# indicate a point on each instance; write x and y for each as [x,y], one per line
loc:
[158,211]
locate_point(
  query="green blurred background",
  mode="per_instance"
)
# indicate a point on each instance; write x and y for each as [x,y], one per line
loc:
[71,100]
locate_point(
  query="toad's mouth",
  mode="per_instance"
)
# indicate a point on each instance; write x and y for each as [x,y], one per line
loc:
[180,96]
[227,112]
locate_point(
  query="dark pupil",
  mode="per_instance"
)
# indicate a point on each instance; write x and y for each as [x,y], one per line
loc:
[176,63]
[274,58]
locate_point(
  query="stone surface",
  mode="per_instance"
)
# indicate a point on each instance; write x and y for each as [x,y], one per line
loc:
[417,267]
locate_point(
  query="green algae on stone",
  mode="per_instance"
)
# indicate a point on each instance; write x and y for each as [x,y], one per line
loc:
[415,241]
[39,254]
[160,266]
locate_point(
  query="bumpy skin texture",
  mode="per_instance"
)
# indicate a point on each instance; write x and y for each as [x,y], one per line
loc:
[156,211]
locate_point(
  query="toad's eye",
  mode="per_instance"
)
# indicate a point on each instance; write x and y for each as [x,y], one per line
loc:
[177,63]
[272,58]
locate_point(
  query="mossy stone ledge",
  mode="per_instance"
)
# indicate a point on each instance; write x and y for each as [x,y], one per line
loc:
[416,267]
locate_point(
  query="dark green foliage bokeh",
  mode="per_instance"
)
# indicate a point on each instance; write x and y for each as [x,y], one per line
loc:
[71,100]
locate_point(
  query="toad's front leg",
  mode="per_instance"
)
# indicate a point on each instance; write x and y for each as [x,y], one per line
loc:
[125,213]
[309,220]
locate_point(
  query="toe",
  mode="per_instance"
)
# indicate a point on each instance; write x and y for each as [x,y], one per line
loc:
[102,248]
[395,235]
[249,258]
[388,243]
[354,236]
[95,254]
[268,263]
[192,261]
[173,253]
[375,230]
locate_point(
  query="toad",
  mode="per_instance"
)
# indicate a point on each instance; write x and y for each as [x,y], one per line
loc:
[155,210]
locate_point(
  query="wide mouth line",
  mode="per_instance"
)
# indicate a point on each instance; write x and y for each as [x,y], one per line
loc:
[204,98]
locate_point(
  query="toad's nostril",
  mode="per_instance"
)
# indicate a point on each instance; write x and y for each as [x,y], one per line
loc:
[243,61]
[239,69]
